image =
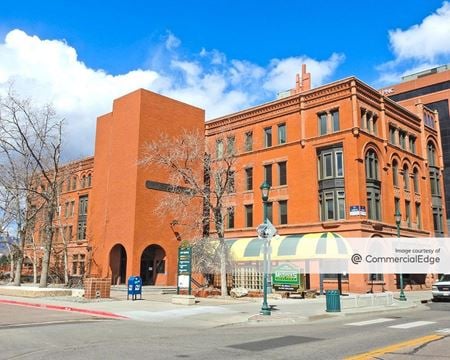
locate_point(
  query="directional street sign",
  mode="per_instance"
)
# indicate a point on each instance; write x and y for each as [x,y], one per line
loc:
[266,230]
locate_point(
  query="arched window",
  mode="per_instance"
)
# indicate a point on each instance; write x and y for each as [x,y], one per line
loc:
[373,186]
[371,165]
[405,177]
[395,172]
[89,180]
[416,180]
[74,183]
[83,181]
[431,152]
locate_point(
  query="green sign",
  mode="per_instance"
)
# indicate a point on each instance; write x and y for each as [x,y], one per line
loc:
[286,278]
[184,268]
[184,260]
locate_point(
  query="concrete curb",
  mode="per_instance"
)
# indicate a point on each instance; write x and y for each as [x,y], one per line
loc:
[98,313]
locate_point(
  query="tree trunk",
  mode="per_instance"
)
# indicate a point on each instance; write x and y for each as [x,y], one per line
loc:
[45,267]
[18,273]
[223,268]
[66,266]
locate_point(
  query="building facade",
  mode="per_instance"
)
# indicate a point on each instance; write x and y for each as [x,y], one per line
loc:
[431,88]
[340,158]
[328,151]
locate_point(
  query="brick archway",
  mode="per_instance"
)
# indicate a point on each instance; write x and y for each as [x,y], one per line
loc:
[153,263]
[118,264]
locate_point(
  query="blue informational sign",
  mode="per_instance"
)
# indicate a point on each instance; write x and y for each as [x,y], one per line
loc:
[134,287]
[356,210]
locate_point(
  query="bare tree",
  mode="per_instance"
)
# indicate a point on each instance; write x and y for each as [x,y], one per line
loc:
[200,181]
[30,147]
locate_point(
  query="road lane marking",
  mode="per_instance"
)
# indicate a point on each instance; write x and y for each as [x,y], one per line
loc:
[412,324]
[370,322]
[443,331]
[395,347]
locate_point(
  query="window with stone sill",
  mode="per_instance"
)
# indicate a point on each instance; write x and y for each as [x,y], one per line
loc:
[328,122]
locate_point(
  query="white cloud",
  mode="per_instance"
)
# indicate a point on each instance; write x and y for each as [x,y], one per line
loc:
[422,46]
[172,42]
[50,71]
[424,41]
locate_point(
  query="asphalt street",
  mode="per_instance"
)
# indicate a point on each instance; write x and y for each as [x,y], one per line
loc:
[44,334]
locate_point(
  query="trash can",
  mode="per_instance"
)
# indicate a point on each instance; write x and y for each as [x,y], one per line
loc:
[134,287]
[333,300]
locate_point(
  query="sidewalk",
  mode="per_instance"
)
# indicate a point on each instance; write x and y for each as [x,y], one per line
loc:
[207,312]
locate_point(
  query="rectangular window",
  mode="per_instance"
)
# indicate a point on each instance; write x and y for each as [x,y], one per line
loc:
[373,205]
[74,264]
[402,139]
[374,125]
[335,119]
[322,124]
[363,119]
[341,204]
[412,144]
[408,212]
[249,179]
[281,133]
[268,137]
[327,165]
[392,135]
[83,205]
[81,230]
[249,141]
[230,218]
[231,182]
[339,164]
[219,149]
[249,215]
[283,212]
[81,264]
[268,174]
[230,145]
[269,207]
[282,173]
[82,217]
[329,206]
[418,216]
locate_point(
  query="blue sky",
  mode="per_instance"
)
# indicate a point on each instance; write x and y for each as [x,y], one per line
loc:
[222,56]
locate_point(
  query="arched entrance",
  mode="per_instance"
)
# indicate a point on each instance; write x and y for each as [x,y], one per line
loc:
[118,264]
[153,262]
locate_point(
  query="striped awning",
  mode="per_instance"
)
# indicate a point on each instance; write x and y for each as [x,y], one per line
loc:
[328,245]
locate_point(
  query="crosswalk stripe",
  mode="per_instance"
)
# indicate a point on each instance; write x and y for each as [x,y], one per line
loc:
[370,322]
[412,324]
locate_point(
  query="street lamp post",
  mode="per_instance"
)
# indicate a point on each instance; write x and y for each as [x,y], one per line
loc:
[398,219]
[265,309]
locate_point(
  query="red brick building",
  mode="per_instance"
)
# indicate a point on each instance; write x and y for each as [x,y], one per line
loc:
[325,151]
[431,88]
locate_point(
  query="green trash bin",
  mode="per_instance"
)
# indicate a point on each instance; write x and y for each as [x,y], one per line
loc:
[333,300]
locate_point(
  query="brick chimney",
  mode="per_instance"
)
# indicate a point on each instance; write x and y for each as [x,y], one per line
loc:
[303,83]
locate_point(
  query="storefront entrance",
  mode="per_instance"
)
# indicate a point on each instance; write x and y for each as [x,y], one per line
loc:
[153,262]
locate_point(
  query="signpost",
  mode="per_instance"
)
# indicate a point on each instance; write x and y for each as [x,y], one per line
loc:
[184,267]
